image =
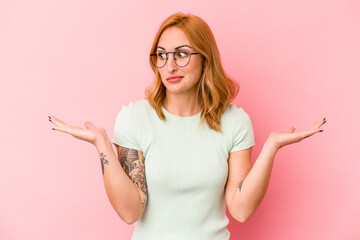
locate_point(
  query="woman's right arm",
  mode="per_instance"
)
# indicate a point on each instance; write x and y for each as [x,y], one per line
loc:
[124,177]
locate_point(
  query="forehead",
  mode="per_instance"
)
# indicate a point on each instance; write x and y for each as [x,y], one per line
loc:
[172,38]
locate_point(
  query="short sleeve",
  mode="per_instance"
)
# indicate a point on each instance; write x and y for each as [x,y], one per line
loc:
[243,137]
[125,132]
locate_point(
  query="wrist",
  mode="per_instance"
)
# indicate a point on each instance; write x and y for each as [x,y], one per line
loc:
[271,144]
[102,140]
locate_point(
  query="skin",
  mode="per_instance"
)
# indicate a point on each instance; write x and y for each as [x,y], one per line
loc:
[125,172]
[133,163]
[246,184]
[180,97]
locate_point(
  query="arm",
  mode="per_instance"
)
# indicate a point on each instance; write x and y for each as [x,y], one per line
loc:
[124,180]
[247,184]
[125,187]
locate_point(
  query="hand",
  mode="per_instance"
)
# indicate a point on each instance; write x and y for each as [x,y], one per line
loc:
[280,139]
[91,134]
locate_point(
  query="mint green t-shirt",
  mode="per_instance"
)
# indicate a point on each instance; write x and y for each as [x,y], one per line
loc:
[186,169]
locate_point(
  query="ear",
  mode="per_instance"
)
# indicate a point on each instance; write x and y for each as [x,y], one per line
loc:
[204,59]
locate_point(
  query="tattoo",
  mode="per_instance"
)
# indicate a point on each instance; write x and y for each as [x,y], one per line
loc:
[103,161]
[133,163]
[240,185]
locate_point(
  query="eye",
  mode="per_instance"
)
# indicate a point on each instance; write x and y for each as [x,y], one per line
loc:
[161,55]
[182,54]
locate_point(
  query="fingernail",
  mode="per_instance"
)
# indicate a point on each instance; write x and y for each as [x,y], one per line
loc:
[50,120]
[53,128]
[324,119]
[321,130]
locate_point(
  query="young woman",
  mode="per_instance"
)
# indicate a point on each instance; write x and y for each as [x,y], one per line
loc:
[184,152]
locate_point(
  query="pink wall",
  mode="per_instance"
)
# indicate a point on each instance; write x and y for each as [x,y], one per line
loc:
[296,61]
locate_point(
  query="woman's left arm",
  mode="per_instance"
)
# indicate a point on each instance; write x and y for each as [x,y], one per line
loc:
[246,184]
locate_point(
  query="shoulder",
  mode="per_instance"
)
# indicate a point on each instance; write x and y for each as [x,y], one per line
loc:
[234,113]
[140,112]
[235,119]
[141,108]
[137,106]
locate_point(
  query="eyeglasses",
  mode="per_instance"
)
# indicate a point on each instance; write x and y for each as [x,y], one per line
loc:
[181,58]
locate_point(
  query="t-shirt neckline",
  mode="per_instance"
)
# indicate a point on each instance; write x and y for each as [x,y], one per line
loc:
[173,116]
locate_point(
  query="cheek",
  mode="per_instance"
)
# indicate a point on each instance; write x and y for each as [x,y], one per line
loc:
[161,73]
[196,68]
[195,71]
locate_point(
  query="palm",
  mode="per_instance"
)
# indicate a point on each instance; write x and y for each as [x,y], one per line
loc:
[90,133]
[290,136]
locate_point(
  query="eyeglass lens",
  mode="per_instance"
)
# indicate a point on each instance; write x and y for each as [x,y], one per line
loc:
[181,58]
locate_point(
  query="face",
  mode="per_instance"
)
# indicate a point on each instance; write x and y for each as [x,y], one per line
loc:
[171,39]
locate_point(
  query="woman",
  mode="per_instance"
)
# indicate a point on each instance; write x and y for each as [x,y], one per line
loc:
[194,145]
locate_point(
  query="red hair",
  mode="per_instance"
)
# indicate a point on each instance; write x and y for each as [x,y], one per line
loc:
[215,90]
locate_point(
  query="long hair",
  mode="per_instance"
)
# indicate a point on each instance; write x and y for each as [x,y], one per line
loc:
[215,90]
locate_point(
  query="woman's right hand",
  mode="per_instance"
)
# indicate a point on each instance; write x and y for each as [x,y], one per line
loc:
[90,133]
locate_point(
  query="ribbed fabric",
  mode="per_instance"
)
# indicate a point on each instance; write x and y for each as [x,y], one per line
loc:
[186,169]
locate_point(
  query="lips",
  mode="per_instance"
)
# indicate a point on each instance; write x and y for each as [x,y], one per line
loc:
[174,78]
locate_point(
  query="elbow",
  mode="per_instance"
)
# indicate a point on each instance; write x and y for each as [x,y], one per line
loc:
[129,219]
[129,211]
[243,218]
[243,211]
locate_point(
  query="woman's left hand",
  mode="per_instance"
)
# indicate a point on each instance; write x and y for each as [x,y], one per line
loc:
[280,139]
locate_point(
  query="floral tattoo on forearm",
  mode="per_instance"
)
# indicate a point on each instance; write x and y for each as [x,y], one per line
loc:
[133,163]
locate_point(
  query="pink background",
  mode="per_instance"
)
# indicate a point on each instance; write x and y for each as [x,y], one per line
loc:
[296,61]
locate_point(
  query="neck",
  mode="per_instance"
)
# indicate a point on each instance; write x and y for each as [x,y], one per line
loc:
[182,105]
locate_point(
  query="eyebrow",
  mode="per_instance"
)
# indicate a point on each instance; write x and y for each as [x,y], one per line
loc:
[176,47]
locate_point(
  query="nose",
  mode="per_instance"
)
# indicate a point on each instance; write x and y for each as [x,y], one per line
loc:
[171,66]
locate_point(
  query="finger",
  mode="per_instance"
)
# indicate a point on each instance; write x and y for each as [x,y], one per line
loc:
[61,129]
[308,133]
[73,131]
[291,129]
[89,125]
[59,122]
[319,123]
